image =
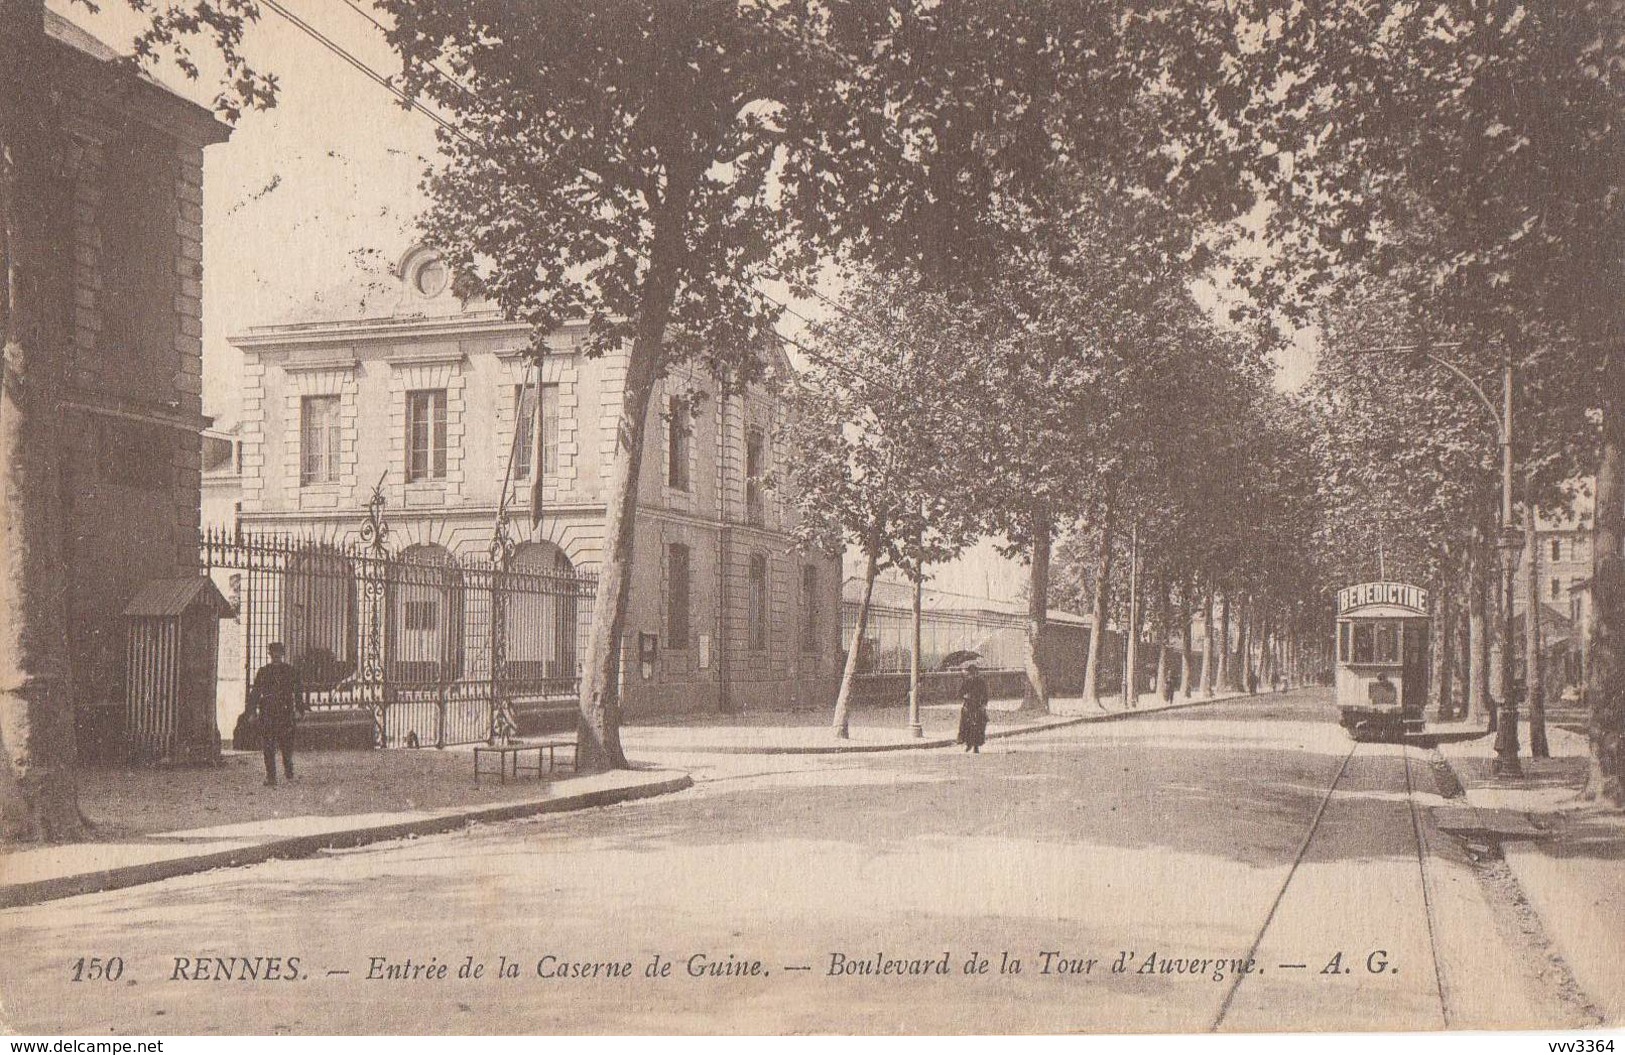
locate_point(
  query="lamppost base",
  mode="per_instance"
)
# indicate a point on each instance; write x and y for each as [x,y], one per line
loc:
[916,730]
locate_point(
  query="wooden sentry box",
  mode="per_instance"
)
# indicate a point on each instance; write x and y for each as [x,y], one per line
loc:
[174,634]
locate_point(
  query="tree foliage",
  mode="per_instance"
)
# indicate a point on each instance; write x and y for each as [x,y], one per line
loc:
[876,423]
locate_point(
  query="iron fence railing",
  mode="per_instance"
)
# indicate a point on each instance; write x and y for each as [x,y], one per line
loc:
[437,648]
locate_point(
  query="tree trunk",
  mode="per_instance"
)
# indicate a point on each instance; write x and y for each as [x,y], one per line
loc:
[1131,651]
[39,799]
[1478,637]
[1460,651]
[1037,695]
[1164,682]
[841,723]
[1097,611]
[1186,671]
[1444,633]
[1249,645]
[1225,674]
[1534,679]
[599,735]
[1605,664]
[1208,651]
[916,628]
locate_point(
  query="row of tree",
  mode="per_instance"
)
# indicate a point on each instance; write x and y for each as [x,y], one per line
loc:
[1076,403]
[1449,183]
[1047,178]
[1423,181]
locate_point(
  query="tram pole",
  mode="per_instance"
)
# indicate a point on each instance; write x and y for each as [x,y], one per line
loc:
[1506,728]
[1506,731]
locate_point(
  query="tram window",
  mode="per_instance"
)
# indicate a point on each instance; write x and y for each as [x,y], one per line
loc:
[1387,643]
[1364,650]
[1343,642]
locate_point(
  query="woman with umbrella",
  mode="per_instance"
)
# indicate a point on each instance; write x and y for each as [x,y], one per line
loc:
[973,709]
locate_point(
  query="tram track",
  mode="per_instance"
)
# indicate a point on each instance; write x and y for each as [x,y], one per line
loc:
[1420,849]
[1429,897]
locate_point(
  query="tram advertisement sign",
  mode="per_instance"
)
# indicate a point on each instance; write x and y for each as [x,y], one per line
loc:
[1389,594]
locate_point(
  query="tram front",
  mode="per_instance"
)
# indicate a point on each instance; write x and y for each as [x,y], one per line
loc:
[1382,659]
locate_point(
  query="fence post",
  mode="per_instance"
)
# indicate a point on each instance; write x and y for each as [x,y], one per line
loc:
[374,533]
[498,722]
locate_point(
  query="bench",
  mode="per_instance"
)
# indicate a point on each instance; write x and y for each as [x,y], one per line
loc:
[510,754]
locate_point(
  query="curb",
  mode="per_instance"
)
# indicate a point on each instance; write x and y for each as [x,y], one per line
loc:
[21,894]
[940,742]
[1516,853]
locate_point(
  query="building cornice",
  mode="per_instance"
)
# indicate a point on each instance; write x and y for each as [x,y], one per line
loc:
[131,92]
[357,331]
[400,514]
[128,411]
[311,366]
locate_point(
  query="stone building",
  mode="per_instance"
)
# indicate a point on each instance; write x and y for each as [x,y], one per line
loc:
[1565,563]
[222,501]
[130,212]
[404,387]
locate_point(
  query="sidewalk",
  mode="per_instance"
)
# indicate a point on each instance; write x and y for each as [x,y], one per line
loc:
[1571,873]
[807,732]
[156,824]
[152,824]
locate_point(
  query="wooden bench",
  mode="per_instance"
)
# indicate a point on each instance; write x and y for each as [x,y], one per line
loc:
[515,751]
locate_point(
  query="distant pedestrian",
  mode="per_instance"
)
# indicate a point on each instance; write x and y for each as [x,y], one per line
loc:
[973,709]
[277,699]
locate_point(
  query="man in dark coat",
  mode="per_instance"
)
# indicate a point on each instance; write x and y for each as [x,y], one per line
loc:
[973,710]
[277,699]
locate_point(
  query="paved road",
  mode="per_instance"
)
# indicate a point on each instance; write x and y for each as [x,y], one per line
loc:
[1191,842]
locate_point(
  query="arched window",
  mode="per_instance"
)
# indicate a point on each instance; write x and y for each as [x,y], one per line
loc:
[318,623]
[539,594]
[425,643]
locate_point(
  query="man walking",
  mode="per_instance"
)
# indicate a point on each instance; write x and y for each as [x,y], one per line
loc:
[278,699]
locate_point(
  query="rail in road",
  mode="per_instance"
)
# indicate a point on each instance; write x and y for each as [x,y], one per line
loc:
[1347,883]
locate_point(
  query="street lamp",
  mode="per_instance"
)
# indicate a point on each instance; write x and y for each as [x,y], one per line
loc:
[1511,541]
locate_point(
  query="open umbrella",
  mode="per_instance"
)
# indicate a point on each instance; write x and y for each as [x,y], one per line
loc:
[960,658]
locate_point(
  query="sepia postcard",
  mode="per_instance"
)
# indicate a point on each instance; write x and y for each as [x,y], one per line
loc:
[861,407]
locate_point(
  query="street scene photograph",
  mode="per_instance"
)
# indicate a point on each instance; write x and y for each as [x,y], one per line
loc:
[832,518]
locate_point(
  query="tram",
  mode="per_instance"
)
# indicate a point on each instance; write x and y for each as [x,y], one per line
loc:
[1382,659]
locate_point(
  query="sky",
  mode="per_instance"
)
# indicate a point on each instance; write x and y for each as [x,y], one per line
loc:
[316,193]
[321,192]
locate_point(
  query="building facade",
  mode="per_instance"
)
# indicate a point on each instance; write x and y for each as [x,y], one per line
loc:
[1563,543]
[222,495]
[438,405]
[128,217]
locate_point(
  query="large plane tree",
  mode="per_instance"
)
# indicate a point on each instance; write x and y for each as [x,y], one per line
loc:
[645,165]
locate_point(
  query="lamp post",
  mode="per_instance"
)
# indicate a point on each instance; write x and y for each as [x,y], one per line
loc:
[1511,541]
[1506,730]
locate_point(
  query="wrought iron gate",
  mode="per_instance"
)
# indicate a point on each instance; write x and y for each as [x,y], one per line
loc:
[435,649]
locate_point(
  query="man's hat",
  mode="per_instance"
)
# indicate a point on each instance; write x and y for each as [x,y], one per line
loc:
[275,646]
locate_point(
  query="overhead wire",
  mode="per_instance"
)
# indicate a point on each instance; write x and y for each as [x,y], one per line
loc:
[440,71]
[367,71]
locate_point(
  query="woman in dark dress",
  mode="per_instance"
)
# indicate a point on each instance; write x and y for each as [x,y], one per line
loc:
[973,710]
